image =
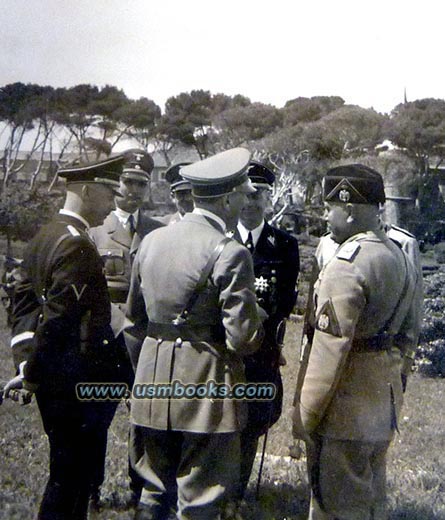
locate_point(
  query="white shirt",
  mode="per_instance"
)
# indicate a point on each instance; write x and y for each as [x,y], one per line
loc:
[123,217]
[244,232]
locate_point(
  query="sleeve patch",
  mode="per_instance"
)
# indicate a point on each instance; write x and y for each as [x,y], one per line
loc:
[327,320]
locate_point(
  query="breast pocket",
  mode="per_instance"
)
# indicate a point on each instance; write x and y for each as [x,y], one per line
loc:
[114,261]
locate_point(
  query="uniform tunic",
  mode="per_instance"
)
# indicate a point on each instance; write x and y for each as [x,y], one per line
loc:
[195,440]
[61,331]
[352,388]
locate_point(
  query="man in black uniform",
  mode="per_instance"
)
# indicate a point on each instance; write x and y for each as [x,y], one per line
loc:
[276,265]
[61,336]
[180,192]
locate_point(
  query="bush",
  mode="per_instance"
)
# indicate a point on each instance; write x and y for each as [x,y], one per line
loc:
[430,356]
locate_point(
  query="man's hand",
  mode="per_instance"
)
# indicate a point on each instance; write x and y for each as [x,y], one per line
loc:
[18,390]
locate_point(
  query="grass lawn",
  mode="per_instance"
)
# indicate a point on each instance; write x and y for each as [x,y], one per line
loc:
[416,463]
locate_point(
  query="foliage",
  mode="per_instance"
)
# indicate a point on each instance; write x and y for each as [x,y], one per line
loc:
[416,459]
[23,211]
[430,357]
[418,127]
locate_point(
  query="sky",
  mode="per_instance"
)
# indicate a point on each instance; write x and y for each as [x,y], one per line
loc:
[367,52]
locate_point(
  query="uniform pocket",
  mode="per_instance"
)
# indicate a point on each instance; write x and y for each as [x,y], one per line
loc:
[113,260]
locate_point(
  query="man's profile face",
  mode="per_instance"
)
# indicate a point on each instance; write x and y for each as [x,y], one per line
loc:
[183,201]
[101,203]
[253,212]
[133,194]
[336,216]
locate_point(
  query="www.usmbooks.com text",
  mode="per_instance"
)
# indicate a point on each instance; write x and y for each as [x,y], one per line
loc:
[176,390]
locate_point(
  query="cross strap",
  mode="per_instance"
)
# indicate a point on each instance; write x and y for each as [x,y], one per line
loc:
[182,317]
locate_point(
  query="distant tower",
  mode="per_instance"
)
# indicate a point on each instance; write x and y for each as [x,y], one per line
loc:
[405,100]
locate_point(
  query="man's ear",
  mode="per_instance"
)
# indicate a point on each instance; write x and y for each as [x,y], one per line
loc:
[351,213]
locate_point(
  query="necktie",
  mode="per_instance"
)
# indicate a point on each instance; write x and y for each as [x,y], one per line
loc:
[249,242]
[131,226]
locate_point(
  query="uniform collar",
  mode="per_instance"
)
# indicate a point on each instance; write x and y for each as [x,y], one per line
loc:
[74,215]
[211,216]
[244,232]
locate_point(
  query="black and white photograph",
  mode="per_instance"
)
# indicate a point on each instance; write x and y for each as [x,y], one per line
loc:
[222,260]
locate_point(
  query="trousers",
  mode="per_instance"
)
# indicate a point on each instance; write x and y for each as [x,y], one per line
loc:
[77,434]
[199,470]
[348,479]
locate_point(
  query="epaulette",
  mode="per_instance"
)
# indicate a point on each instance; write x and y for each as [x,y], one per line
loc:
[404,231]
[73,231]
[348,251]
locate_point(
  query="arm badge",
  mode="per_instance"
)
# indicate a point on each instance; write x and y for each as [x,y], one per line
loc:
[327,321]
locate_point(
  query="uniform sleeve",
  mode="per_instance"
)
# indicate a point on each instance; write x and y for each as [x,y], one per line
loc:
[76,304]
[341,298]
[25,317]
[233,275]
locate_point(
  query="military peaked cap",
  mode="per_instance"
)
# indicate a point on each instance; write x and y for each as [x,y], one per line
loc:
[138,165]
[104,172]
[176,180]
[353,183]
[261,176]
[223,173]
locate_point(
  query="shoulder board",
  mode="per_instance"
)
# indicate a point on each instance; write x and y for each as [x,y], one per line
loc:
[401,230]
[348,251]
[73,231]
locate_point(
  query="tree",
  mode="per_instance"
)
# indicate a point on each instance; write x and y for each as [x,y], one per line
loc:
[305,110]
[23,211]
[242,124]
[139,119]
[418,128]
[16,112]
[76,114]
[187,120]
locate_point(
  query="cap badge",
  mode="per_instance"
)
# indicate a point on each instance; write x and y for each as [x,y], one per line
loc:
[137,166]
[138,156]
[261,284]
[344,195]
[323,322]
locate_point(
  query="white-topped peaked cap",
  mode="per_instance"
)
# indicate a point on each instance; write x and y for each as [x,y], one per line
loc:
[223,173]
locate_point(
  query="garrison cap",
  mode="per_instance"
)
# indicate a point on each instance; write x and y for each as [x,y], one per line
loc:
[355,184]
[138,165]
[260,175]
[105,172]
[223,173]
[176,180]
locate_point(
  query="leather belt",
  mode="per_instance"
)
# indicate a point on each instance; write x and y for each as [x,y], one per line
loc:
[171,332]
[378,343]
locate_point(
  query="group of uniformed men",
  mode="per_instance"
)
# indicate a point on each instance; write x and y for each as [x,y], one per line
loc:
[200,300]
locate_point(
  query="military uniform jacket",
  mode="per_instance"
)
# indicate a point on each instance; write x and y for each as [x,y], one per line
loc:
[276,266]
[117,248]
[350,392]
[61,319]
[166,270]
[170,219]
